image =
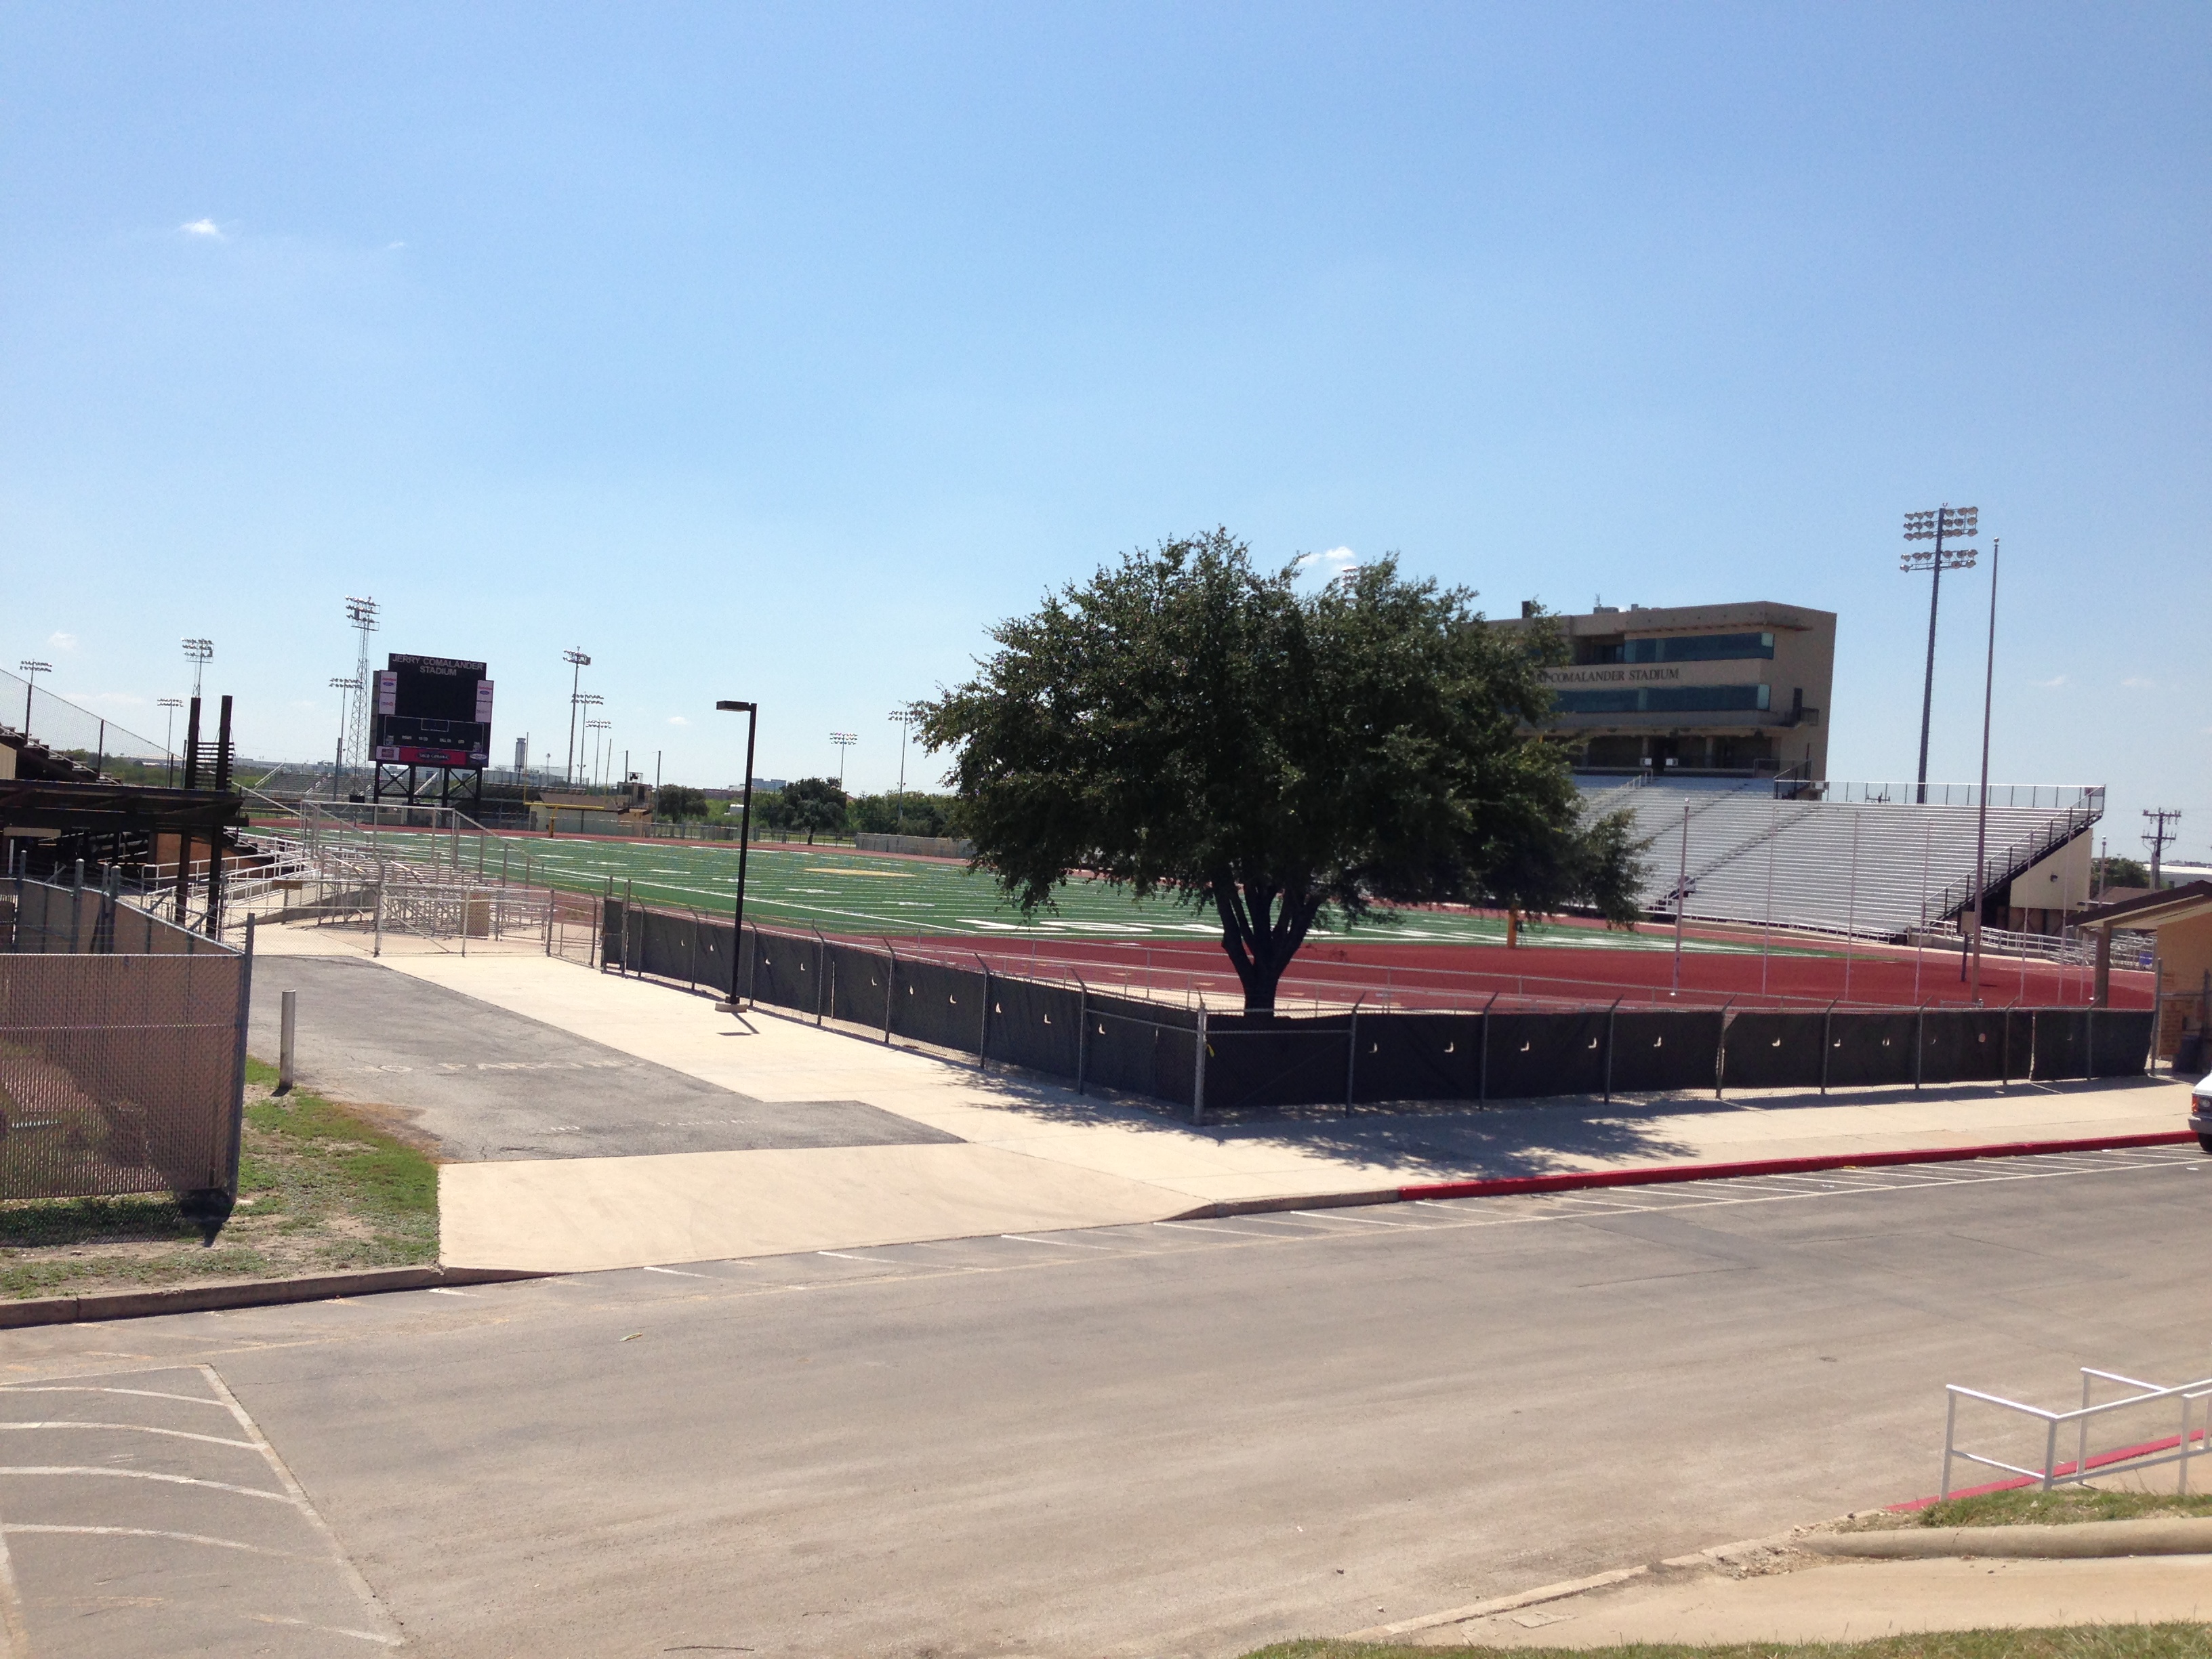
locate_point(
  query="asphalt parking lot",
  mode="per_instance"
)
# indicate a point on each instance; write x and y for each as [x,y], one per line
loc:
[1169,1438]
[486,1083]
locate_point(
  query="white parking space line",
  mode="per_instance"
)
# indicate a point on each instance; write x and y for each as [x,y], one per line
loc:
[1363,1220]
[1207,1227]
[872,1260]
[676,1273]
[132,1428]
[1059,1244]
[157,1532]
[95,1471]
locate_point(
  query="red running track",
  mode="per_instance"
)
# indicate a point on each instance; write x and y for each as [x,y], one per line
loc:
[1464,975]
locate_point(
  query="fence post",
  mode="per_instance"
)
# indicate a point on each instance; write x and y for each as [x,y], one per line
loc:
[1608,1049]
[377,949]
[288,1028]
[2089,1042]
[1827,1027]
[1198,1073]
[1082,1030]
[820,971]
[1482,1062]
[1919,1042]
[890,988]
[1352,1049]
[983,1028]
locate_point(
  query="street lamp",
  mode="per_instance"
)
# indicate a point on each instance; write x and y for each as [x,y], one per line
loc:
[1935,525]
[31,672]
[904,719]
[751,712]
[342,684]
[580,662]
[844,740]
[169,736]
[197,652]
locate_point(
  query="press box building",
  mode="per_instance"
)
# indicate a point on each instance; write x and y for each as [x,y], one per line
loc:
[1685,690]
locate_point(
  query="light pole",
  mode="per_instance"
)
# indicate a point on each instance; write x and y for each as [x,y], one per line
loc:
[592,767]
[361,616]
[844,740]
[1981,821]
[342,685]
[580,662]
[169,736]
[31,672]
[751,712]
[583,700]
[197,652]
[904,718]
[1935,525]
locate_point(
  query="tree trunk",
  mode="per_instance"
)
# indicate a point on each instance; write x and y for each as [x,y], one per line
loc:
[1261,938]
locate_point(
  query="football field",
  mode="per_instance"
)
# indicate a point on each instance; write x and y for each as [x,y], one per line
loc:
[841,891]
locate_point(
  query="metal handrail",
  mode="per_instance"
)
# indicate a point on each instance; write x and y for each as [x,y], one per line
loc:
[2053,1473]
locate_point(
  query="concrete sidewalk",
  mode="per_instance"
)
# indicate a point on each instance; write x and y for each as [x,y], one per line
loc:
[1853,1602]
[1090,1160]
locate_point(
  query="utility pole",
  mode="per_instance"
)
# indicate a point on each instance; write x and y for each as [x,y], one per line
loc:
[2162,818]
[1958,523]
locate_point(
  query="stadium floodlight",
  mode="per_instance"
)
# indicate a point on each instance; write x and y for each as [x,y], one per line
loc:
[342,685]
[361,616]
[580,660]
[1935,526]
[751,712]
[844,740]
[169,735]
[31,672]
[197,652]
[592,767]
[904,718]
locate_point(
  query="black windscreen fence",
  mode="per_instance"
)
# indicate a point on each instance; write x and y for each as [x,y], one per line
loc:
[1255,1065]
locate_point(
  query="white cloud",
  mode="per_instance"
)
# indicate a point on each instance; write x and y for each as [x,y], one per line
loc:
[2047,684]
[60,642]
[678,719]
[2138,682]
[207,227]
[1329,566]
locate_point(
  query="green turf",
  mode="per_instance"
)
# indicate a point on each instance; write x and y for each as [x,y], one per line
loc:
[841,891]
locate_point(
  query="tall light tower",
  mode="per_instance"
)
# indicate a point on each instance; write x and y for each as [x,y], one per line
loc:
[169,736]
[579,661]
[585,700]
[1957,523]
[591,772]
[196,653]
[904,718]
[360,614]
[844,740]
[341,686]
[31,672]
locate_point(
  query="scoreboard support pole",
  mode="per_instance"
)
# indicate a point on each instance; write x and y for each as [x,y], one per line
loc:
[411,786]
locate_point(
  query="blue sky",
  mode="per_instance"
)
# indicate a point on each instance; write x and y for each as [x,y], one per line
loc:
[775,351]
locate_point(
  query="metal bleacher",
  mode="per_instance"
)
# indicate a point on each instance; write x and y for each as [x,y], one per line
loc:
[1862,859]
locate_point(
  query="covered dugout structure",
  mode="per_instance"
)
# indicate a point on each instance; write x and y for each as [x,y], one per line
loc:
[2181,919]
[1223,1063]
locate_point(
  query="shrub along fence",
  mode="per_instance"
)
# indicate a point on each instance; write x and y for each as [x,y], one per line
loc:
[1236,1063]
[122,1051]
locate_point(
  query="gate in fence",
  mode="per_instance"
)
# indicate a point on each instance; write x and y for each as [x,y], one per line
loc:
[1240,1063]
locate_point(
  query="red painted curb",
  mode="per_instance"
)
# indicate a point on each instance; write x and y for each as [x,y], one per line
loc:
[2101,1461]
[1660,1173]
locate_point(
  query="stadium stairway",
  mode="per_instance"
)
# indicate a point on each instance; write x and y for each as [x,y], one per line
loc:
[1873,868]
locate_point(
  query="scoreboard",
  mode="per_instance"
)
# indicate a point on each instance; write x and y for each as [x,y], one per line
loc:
[432,711]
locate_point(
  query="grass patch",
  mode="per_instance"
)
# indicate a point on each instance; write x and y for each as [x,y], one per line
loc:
[2028,1506]
[2174,1641]
[321,1190]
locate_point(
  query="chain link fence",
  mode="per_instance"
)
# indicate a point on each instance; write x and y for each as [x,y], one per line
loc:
[1238,1064]
[122,1051]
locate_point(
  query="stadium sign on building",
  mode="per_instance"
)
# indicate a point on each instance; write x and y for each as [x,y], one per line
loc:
[1709,690]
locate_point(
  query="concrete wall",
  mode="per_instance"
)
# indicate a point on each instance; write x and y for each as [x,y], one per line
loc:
[2050,888]
[2184,959]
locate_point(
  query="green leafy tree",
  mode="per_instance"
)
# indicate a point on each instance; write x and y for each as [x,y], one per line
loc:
[916,815]
[1184,724]
[674,803]
[812,804]
[2123,873]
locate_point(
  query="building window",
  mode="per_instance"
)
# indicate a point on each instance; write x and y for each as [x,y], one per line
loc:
[1699,647]
[1665,699]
